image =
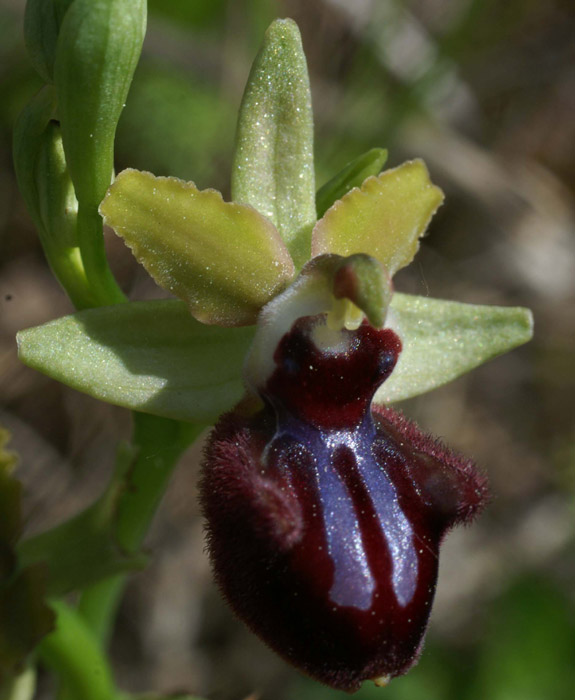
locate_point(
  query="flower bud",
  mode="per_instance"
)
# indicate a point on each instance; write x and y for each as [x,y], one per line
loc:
[325,516]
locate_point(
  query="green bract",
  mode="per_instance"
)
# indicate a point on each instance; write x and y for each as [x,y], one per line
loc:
[228,261]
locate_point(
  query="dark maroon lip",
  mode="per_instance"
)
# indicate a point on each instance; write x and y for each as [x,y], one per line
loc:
[325,517]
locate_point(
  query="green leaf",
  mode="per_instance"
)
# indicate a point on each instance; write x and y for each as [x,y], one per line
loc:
[224,259]
[273,166]
[444,339]
[97,52]
[384,218]
[75,655]
[147,356]
[84,550]
[353,175]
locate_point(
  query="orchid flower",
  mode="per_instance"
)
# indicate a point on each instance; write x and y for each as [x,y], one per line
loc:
[325,508]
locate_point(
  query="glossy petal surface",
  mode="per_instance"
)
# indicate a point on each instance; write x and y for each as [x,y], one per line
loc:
[324,521]
[223,259]
[383,218]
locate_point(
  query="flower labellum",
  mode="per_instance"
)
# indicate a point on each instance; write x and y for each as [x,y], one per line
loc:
[325,513]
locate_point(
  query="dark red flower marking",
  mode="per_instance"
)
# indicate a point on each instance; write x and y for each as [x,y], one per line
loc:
[325,517]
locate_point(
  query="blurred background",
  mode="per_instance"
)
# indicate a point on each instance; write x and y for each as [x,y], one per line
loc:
[484,91]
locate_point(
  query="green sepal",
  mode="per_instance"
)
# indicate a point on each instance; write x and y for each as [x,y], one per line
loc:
[444,339]
[352,175]
[97,52]
[384,218]
[147,356]
[224,259]
[84,550]
[273,168]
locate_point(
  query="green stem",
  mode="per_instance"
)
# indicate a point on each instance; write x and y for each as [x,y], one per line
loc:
[159,442]
[72,651]
[91,239]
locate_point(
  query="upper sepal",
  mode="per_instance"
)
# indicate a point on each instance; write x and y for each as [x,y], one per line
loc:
[273,168]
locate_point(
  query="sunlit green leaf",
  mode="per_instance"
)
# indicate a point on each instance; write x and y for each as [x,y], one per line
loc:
[353,175]
[444,339]
[147,356]
[273,167]
[224,259]
[98,48]
[384,218]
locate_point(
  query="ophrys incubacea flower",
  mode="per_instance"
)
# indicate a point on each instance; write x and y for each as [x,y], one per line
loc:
[325,508]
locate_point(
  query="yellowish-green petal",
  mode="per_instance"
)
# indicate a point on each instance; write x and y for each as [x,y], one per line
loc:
[383,218]
[224,260]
